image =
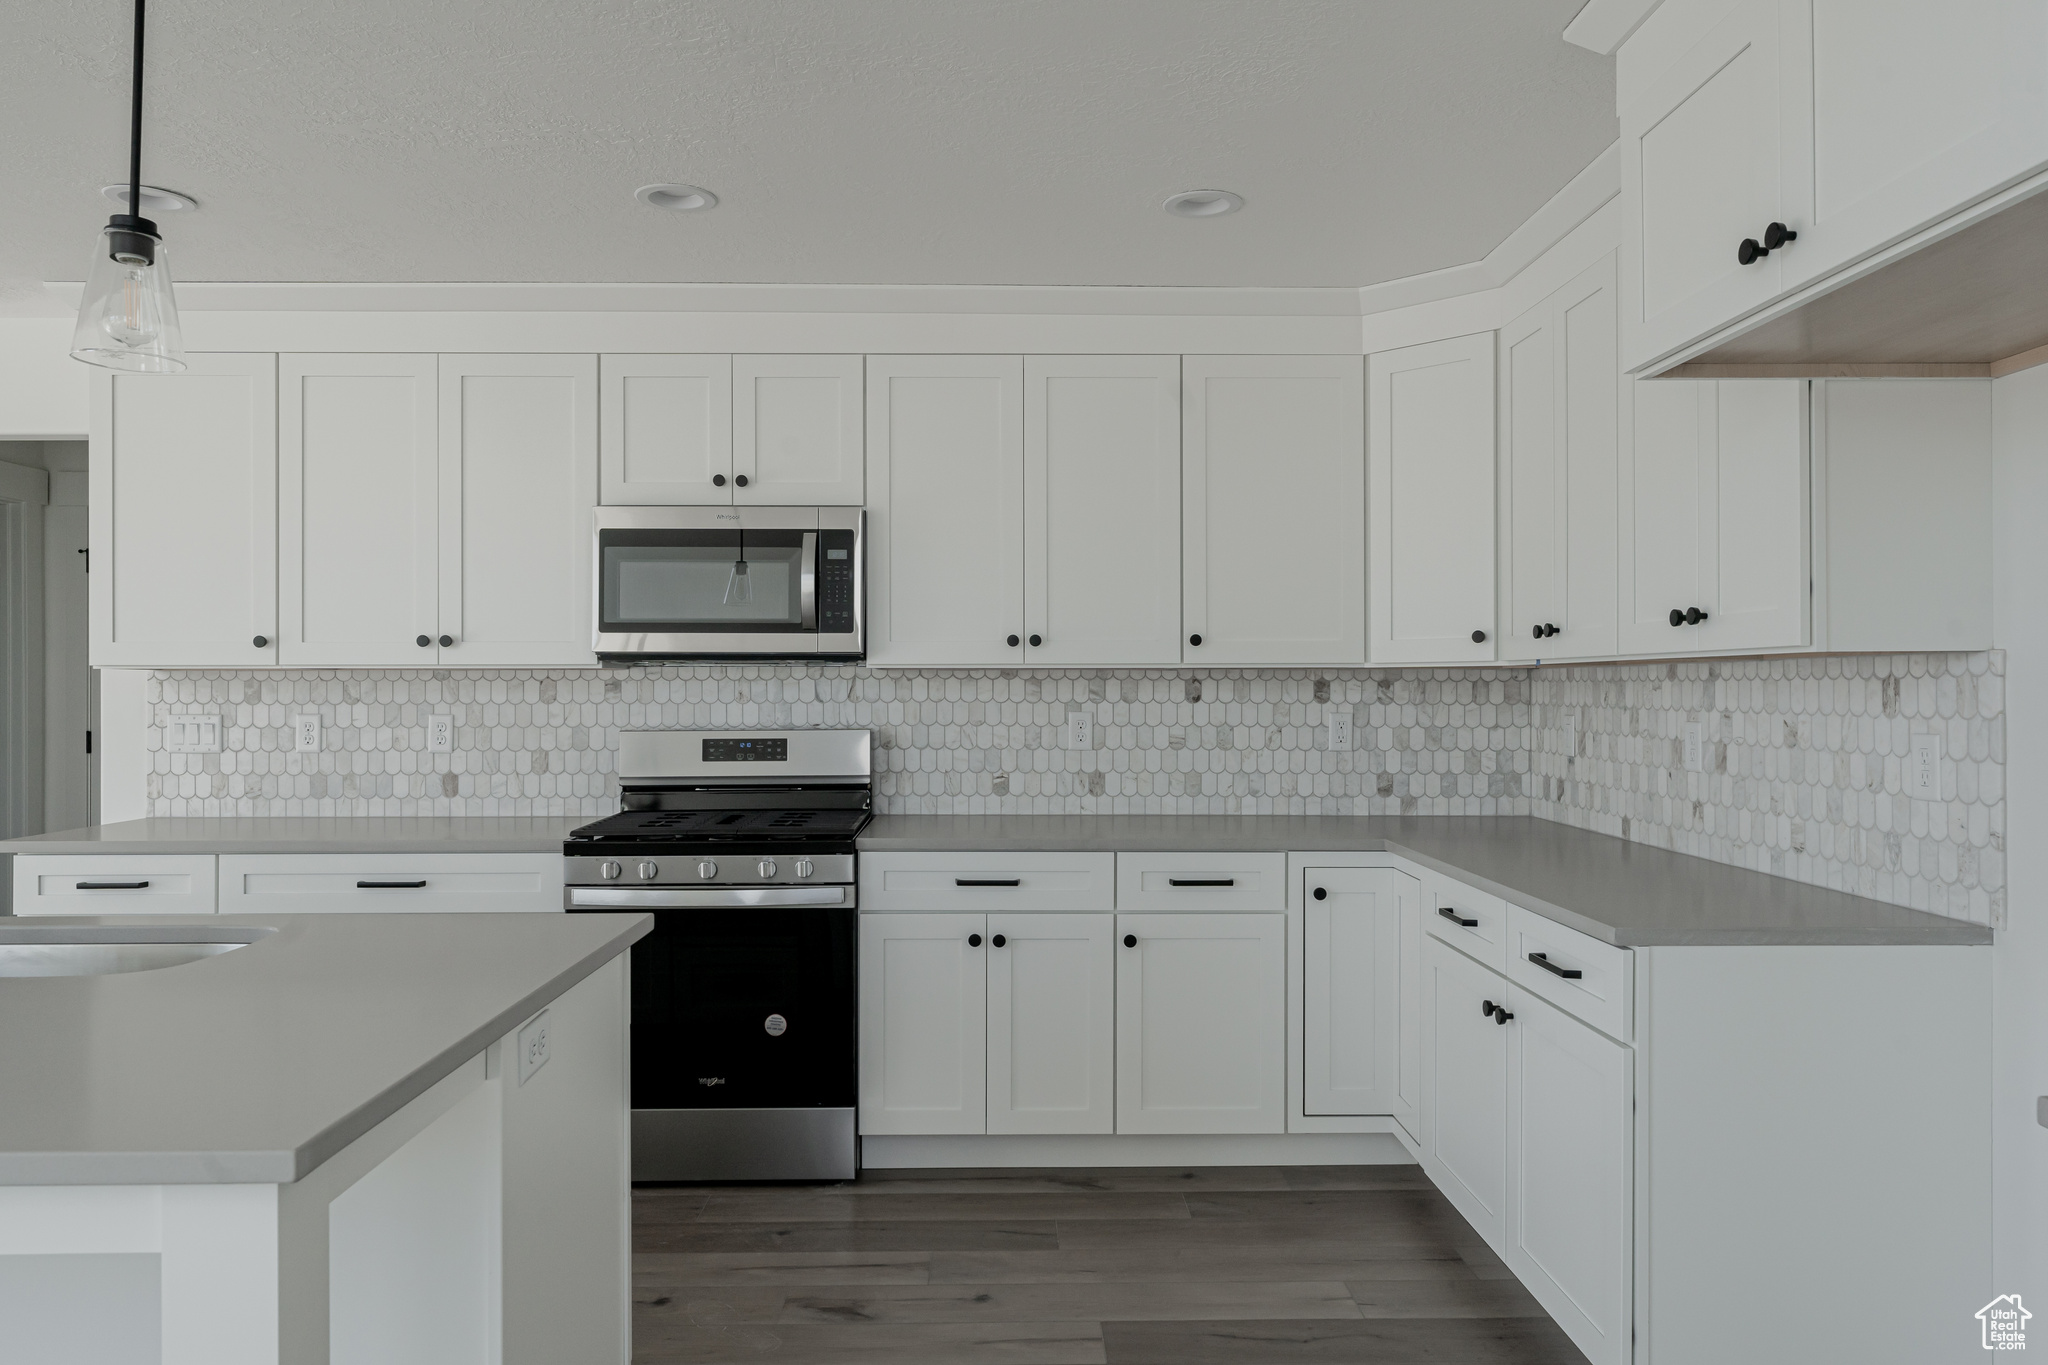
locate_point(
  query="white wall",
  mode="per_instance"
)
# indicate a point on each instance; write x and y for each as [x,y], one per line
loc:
[2019,414]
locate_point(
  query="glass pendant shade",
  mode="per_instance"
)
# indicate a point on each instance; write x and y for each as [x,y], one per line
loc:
[739,587]
[128,319]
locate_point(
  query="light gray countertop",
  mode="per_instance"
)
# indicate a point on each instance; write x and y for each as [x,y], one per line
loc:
[311,834]
[1620,892]
[255,1066]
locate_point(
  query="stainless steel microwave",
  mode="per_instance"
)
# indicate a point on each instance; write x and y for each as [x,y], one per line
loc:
[729,583]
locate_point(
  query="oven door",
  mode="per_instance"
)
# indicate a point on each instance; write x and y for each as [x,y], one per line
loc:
[697,581]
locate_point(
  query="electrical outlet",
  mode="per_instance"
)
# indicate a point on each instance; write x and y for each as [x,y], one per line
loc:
[1337,737]
[1923,768]
[306,734]
[1080,730]
[1571,736]
[533,1046]
[192,735]
[1695,747]
[440,734]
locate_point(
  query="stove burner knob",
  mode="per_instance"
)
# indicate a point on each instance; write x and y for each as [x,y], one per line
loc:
[648,871]
[609,871]
[707,869]
[804,868]
[766,868]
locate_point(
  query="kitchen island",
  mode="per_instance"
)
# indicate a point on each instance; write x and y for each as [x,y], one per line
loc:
[246,1139]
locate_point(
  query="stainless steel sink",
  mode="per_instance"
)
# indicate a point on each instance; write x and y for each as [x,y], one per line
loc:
[102,959]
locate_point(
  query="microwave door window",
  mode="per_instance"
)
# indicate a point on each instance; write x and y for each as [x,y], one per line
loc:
[657,588]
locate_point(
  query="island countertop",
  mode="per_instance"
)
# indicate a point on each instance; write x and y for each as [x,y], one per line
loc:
[257,1065]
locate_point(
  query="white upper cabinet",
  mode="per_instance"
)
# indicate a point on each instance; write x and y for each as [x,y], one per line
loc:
[1715,517]
[946,511]
[797,432]
[184,515]
[667,430]
[1273,510]
[1558,412]
[518,482]
[357,520]
[1430,465]
[1102,525]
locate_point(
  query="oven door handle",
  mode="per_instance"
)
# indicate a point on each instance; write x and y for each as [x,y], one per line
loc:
[703,897]
[807,580]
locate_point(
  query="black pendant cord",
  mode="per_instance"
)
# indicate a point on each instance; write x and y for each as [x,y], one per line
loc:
[135,125]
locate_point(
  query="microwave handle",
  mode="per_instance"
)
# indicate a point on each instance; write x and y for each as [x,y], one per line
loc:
[807,580]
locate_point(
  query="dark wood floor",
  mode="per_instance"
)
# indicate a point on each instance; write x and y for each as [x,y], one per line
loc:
[1167,1266]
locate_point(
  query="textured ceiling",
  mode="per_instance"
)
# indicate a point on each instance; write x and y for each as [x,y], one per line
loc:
[851,141]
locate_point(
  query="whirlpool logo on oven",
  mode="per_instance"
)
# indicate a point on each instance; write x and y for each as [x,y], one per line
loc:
[711,1080]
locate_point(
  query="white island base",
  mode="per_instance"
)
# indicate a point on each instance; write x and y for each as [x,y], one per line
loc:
[486,1221]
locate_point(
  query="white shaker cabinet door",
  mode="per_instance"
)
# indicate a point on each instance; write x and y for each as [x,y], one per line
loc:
[798,436]
[945,511]
[1429,498]
[357,510]
[1201,1036]
[1051,1023]
[1667,468]
[1464,1087]
[1273,509]
[667,430]
[1102,510]
[518,455]
[923,1023]
[1571,1157]
[184,515]
[1353,923]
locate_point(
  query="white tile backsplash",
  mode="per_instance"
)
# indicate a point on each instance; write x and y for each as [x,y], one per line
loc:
[1803,759]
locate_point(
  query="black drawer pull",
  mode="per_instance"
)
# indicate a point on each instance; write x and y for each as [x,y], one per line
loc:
[1201,881]
[391,886]
[110,886]
[1543,960]
[988,881]
[1456,919]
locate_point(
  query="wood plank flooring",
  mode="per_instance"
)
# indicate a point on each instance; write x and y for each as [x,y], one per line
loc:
[1336,1265]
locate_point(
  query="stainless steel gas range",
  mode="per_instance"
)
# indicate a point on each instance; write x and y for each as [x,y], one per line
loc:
[742,845]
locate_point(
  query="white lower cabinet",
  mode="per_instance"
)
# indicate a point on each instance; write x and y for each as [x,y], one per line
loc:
[1354,920]
[1200,1023]
[1570,1156]
[294,883]
[923,1023]
[1051,1023]
[114,884]
[1464,1092]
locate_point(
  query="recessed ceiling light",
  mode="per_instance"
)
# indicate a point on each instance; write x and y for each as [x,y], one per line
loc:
[681,198]
[1203,203]
[155,199]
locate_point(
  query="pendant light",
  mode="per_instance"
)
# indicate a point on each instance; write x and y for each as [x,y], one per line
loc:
[128,319]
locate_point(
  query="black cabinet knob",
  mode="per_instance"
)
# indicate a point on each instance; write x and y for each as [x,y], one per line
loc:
[1487,1007]
[1749,251]
[261,642]
[1548,630]
[1478,637]
[447,640]
[423,641]
[1693,616]
[1322,893]
[1536,632]
[1677,616]
[1194,639]
[1776,235]
[999,940]
[1130,940]
[1037,640]
[1012,641]
[1501,1014]
[739,480]
[718,480]
[974,940]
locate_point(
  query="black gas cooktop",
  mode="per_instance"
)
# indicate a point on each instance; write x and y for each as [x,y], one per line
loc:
[690,827]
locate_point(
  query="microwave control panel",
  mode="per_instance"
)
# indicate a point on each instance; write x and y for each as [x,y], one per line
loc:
[835,582]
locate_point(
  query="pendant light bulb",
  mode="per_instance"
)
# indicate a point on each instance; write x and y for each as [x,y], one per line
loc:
[738,586]
[128,318]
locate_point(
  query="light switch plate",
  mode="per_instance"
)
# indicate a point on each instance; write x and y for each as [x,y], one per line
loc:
[192,735]
[440,734]
[533,1046]
[306,734]
[1923,768]
[1695,747]
[1080,730]
[1337,737]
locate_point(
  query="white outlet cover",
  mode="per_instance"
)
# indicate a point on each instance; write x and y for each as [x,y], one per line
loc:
[306,734]
[440,734]
[1571,736]
[1923,768]
[192,735]
[533,1046]
[1695,747]
[1337,736]
[1080,730]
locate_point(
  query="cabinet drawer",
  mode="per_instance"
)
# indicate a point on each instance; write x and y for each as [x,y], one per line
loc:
[1473,922]
[1585,978]
[988,881]
[1201,881]
[381,882]
[114,884]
